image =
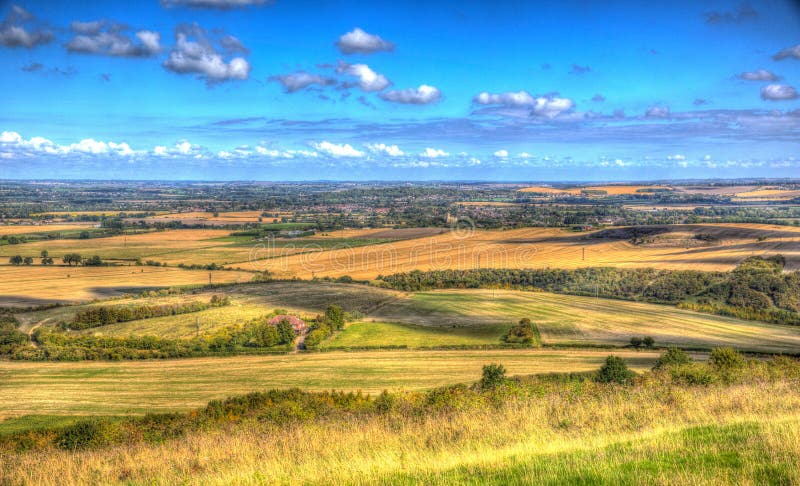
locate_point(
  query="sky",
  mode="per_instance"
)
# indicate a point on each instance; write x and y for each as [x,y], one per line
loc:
[506,90]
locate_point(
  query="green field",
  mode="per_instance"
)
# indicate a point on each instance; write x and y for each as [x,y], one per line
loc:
[378,334]
[117,388]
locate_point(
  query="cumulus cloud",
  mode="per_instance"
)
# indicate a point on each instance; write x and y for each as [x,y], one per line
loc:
[218,4]
[300,80]
[790,52]
[95,37]
[200,57]
[337,150]
[510,98]
[676,157]
[367,79]
[501,154]
[433,153]
[15,33]
[778,92]
[744,13]
[12,144]
[543,106]
[758,75]
[657,111]
[382,148]
[423,95]
[182,148]
[359,42]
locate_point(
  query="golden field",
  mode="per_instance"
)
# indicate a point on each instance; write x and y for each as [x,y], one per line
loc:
[543,247]
[24,285]
[611,190]
[25,229]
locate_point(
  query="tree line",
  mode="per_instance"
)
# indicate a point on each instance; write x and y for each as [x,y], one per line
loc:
[96,316]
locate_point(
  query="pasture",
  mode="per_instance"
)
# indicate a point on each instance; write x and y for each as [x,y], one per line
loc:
[117,388]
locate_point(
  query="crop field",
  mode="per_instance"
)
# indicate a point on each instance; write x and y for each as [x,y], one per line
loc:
[544,247]
[611,190]
[25,286]
[26,229]
[385,334]
[113,388]
[222,218]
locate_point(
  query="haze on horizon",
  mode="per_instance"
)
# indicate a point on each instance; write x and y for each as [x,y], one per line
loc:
[407,90]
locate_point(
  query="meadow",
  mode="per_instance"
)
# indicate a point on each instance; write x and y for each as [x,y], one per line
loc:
[117,388]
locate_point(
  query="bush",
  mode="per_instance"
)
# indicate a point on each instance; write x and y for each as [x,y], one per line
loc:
[648,341]
[522,333]
[692,374]
[672,357]
[725,359]
[493,376]
[614,370]
[636,341]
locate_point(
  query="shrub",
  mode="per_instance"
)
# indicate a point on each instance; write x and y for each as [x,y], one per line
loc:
[725,359]
[493,376]
[334,315]
[614,370]
[648,341]
[636,341]
[522,333]
[692,374]
[672,357]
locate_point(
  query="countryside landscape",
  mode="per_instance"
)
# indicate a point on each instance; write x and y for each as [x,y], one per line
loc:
[342,242]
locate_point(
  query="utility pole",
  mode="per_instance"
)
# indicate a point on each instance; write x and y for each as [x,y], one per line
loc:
[583,254]
[209,278]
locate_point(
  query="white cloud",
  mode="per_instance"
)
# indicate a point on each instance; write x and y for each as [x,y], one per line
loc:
[759,75]
[510,98]
[201,58]
[524,155]
[368,80]
[778,92]
[337,150]
[359,42]
[552,107]
[423,95]
[381,148]
[300,80]
[13,142]
[182,148]
[657,111]
[433,153]
[112,42]
[13,32]
[676,157]
[502,154]
[793,52]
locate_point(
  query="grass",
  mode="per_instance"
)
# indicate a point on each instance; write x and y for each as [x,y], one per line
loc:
[571,320]
[118,388]
[386,334]
[579,433]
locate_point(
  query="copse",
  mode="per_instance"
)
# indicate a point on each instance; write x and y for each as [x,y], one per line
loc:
[614,370]
[72,259]
[672,357]
[15,260]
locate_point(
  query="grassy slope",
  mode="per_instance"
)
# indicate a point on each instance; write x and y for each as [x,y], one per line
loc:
[139,387]
[377,334]
[588,434]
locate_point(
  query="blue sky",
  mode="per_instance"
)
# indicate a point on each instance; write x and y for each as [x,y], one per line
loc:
[309,90]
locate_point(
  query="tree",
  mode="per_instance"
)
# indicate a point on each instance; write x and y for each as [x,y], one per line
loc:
[648,341]
[15,260]
[614,370]
[94,261]
[493,376]
[28,260]
[636,341]
[335,316]
[47,261]
[72,258]
[726,359]
[285,332]
[672,357]
[44,254]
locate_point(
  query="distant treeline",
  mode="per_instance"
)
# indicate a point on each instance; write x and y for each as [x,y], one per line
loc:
[757,289]
[97,316]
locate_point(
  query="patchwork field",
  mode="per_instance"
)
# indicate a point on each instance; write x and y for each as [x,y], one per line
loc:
[110,388]
[26,229]
[611,190]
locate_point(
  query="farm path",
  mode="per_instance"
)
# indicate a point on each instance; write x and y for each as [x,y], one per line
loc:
[34,328]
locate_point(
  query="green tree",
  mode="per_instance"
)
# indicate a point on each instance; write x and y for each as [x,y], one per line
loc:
[15,260]
[72,259]
[28,260]
[672,357]
[614,370]
[94,261]
[636,341]
[44,254]
[335,316]
[726,359]
[493,376]
[285,332]
[47,261]
[648,341]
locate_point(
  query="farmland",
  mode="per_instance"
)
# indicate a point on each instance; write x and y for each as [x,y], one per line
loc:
[140,387]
